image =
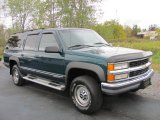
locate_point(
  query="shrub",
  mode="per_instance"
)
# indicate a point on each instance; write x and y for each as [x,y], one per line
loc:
[1,51]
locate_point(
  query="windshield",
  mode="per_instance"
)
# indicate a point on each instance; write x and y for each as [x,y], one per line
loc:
[83,38]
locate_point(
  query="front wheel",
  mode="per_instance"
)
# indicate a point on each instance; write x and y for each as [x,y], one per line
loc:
[86,94]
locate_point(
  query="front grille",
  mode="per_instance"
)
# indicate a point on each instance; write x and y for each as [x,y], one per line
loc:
[138,63]
[138,72]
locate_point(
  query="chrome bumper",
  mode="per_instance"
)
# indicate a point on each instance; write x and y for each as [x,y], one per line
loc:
[126,85]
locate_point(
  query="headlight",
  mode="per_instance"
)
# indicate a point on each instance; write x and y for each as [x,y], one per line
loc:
[117,66]
[114,67]
[120,66]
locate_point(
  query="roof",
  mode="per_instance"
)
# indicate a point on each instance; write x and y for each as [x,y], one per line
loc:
[42,29]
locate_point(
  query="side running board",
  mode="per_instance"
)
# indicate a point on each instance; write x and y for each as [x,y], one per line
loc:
[40,81]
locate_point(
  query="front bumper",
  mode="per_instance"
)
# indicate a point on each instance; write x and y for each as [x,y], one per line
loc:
[126,85]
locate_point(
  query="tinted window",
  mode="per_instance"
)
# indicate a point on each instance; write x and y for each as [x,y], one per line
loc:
[46,41]
[31,42]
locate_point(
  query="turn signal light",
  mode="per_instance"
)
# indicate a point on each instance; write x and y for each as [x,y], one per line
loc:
[110,67]
[110,77]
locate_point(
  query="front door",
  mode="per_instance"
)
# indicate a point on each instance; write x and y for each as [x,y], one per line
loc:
[49,65]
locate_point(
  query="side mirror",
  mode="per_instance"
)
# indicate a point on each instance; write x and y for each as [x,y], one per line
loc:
[52,49]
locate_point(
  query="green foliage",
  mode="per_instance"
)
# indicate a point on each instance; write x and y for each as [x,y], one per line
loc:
[146,45]
[158,32]
[20,11]
[3,35]
[111,31]
[39,17]
[128,31]
[27,14]
[77,13]
[135,30]
[1,51]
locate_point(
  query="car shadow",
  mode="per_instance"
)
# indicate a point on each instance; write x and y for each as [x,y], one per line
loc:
[109,104]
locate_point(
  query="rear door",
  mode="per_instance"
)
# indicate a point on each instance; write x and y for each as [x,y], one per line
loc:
[28,63]
[50,65]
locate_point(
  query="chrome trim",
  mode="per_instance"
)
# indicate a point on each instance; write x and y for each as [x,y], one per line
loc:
[130,69]
[124,86]
[46,83]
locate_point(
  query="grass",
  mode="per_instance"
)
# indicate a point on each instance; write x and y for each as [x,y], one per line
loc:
[146,45]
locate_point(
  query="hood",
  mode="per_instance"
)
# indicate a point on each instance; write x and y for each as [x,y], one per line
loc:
[115,54]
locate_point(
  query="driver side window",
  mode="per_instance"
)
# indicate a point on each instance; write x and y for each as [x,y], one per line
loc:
[47,40]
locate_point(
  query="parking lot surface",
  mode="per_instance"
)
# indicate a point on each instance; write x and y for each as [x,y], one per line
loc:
[36,102]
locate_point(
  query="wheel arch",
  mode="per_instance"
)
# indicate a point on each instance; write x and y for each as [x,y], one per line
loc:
[13,61]
[75,69]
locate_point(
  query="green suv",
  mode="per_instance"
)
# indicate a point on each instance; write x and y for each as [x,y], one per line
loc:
[79,61]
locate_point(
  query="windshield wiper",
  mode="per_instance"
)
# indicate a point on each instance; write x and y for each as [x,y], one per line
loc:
[74,46]
[101,43]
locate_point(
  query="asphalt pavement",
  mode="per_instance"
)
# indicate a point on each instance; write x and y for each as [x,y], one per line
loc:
[36,102]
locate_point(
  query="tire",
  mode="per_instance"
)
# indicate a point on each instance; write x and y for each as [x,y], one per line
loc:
[86,94]
[17,76]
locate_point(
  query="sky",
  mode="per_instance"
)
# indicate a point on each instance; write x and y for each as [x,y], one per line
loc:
[127,12]
[131,12]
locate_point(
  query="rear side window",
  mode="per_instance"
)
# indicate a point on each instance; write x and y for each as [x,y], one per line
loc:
[15,41]
[31,42]
[47,41]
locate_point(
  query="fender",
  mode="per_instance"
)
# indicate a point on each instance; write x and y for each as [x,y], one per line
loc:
[87,66]
[15,59]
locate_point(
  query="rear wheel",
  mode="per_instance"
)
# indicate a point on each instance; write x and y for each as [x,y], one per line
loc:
[86,94]
[16,76]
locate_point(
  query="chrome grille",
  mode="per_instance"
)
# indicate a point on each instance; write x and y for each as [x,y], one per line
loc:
[138,63]
[138,72]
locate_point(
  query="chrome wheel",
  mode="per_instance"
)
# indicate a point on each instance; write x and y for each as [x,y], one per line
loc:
[82,95]
[15,76]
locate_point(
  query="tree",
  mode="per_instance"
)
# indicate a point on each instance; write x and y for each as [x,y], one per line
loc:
[111,30]
[128,31]
[77,13]
[135,30]
[39,15]
[152,27]
[3,35]
[20,12]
